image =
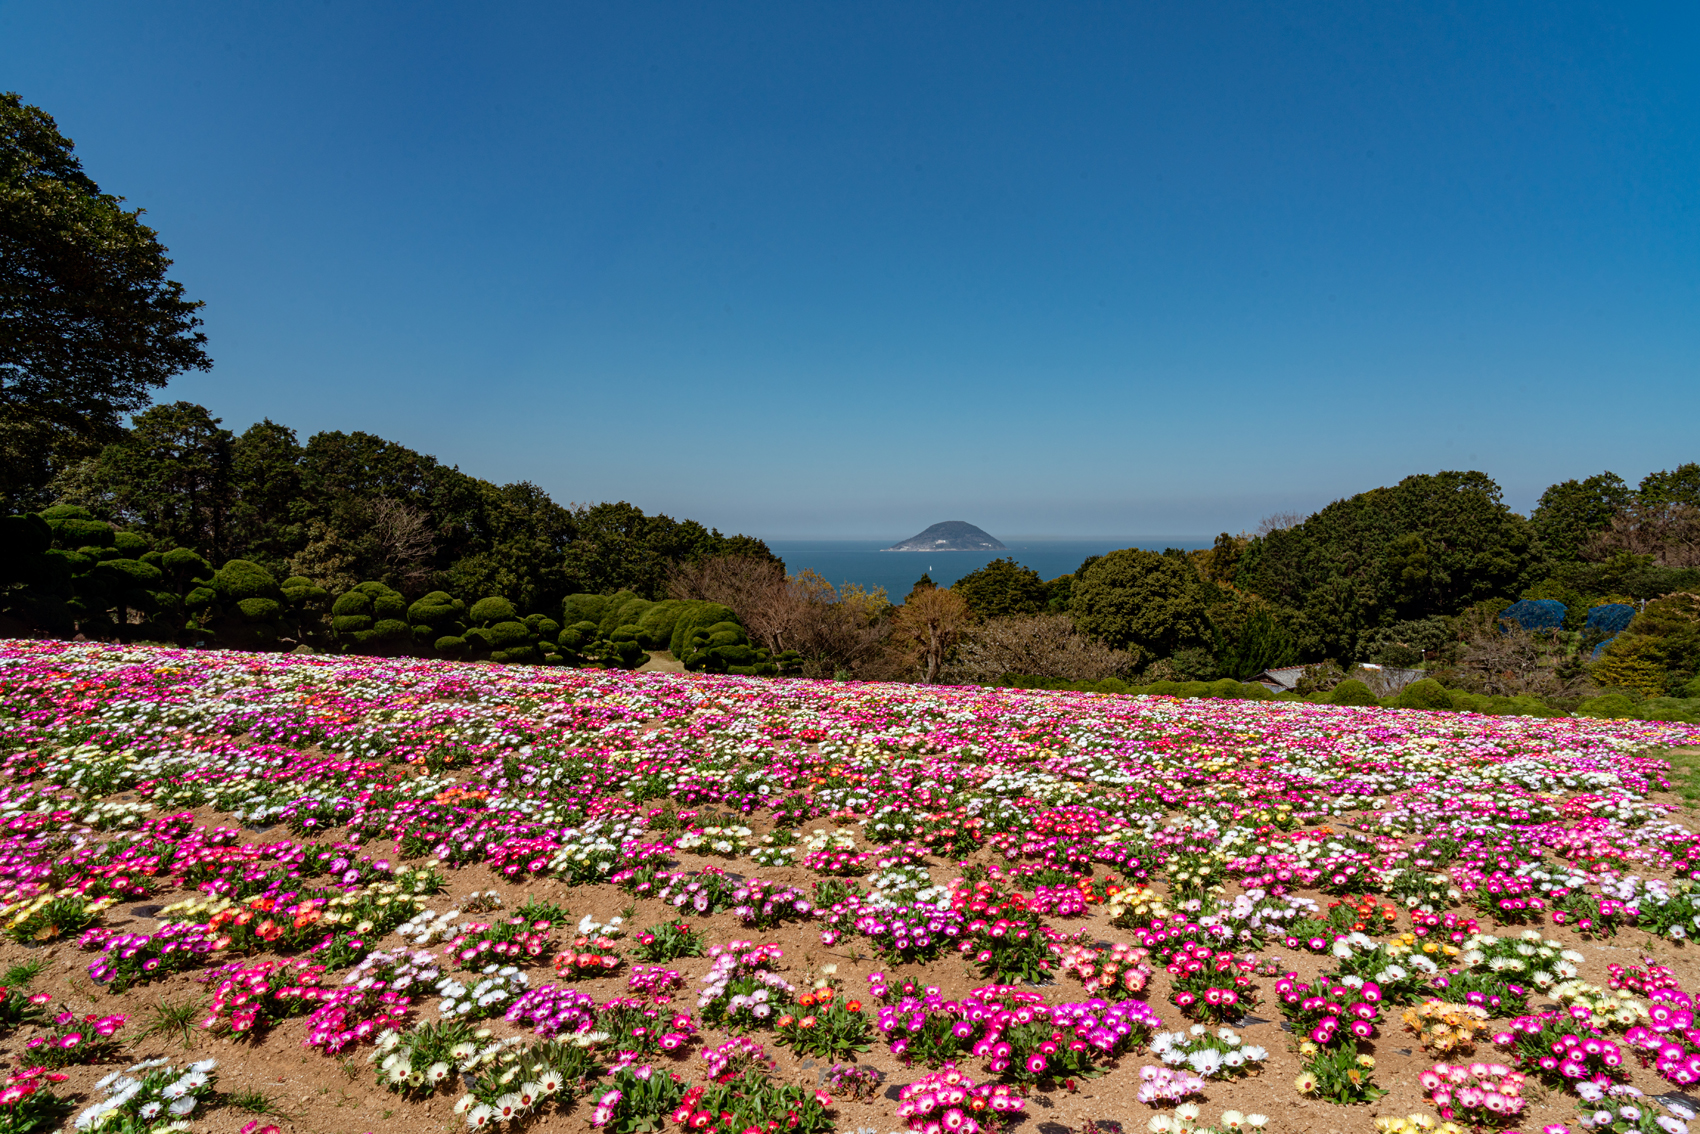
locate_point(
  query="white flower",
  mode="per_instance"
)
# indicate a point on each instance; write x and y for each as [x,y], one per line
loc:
[183,1106]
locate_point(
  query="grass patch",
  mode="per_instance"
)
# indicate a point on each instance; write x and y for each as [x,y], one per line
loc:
[178,1020]
[1685,773]
[20,976]
[256,1102]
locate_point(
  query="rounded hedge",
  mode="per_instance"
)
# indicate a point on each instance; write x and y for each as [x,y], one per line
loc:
[583,608]
[240,579]
[390,628]
[182,561]
[1352,692]
[131,544]
[351,623]
[509,635]
[1426,693]
[390,606]
[351,604]
[495,608]
[82,533]
[130,573]
[451,645]
[259,609]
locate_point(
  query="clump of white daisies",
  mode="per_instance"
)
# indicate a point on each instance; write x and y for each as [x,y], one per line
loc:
[152,1091]
[1221,1054]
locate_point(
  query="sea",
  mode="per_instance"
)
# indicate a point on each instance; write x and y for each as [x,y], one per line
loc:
[864,562]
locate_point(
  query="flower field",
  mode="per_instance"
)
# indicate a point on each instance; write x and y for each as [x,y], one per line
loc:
[250,891]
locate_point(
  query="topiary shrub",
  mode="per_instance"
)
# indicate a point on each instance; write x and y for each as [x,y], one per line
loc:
[696,615]
[623,608]
[131,545]
[259,609]
[509,635]
[1226,687]
[1352,692]
[351,604]
[488,611]
[450,645]
[655,627]
[1426,693]
[75,527]
[583,608]
[1535,614]
[240,579]
[1613,706]
[438,615]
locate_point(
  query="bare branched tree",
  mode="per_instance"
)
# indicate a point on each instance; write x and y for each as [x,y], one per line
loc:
[405,541]
[1509,661]
[1041,645]
[1670,533]
[833,629]
[1280,522]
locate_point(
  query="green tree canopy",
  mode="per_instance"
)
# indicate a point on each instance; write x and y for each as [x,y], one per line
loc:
[1432,544]
[1680,485]
[1003,587]
[1570,512]
[89,323]
[1134,599]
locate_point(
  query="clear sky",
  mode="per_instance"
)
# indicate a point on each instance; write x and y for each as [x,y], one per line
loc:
[845,270]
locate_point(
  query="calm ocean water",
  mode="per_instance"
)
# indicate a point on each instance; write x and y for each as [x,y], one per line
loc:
[861,561]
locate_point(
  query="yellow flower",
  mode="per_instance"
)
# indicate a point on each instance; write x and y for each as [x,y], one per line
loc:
[1366,1061]
[1306,1083]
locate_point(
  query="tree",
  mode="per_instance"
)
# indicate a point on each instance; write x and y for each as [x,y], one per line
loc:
[171,477]
[1668,533]
[1139,600]
[89,323]
[1003,587]
[1680,485]
[832,630]
[1040,645]
[928,626]
[1572,511]
[1432,544]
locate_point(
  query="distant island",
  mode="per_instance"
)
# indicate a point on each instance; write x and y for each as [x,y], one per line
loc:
[951,535]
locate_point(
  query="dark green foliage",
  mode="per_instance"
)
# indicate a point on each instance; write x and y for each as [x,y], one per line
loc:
[92,324]
[450,645]
[1352,692]
[724,647]
[1680,485]
[623,608]
[1570,513]
[1430,545]
[239,579]
[490,610]
[372,619]
[1426,693]
[1139,600]
[1003,587]
[696,615]
[655,626]
[583,608]
[1262,643]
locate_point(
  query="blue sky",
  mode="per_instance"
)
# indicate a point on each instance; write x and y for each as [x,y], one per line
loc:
[845,270]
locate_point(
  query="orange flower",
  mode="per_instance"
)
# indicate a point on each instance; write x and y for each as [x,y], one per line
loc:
[852,1005]
[786,1021]
[824,995]
[806,1000]
[807,1022]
